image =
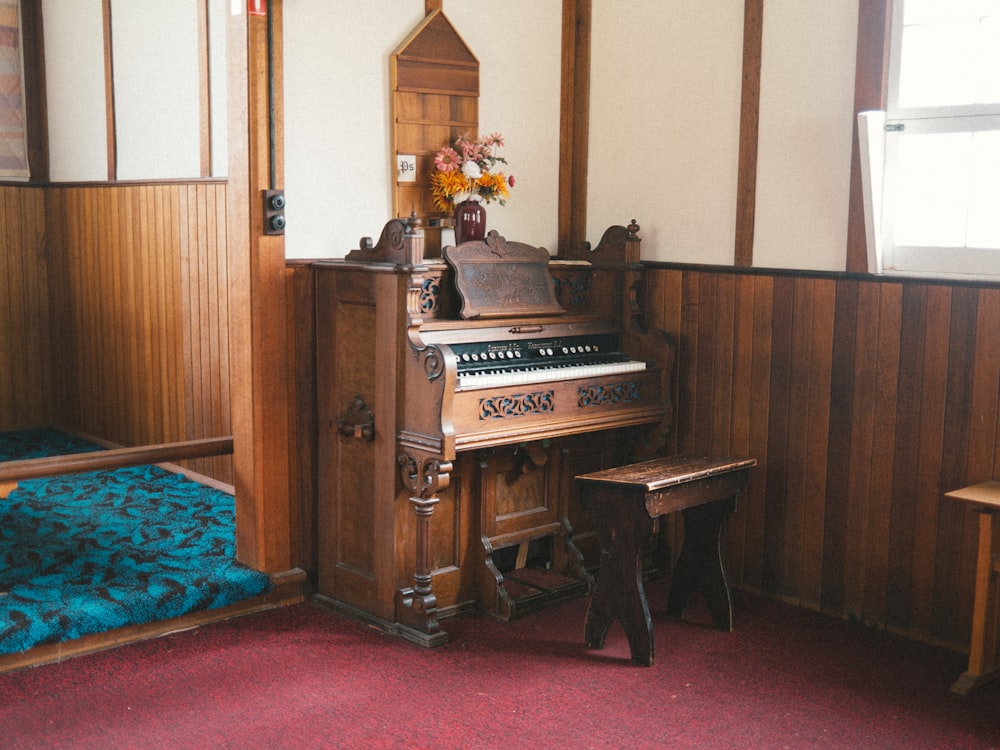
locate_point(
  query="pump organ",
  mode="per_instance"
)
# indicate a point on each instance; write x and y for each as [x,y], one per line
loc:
[457,401]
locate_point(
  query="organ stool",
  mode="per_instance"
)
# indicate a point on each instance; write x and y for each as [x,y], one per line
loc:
[624,503]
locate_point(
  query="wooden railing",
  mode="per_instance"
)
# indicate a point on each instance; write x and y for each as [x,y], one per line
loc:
[12,472]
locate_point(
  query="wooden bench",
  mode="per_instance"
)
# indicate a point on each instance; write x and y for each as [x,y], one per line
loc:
[624,504]
[984,661]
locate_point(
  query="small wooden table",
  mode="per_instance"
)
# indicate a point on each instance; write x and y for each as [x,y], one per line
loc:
[984,661]
[624,503]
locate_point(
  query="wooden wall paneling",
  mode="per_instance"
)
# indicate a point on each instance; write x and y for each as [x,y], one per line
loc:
[9,345]
[861,450]
[740,441]
[23,299]
[39,397]
[797,422]
[818,370]
[755,498]
[303,414]
[776,470]
[863,400]
[905,455]
[930,453]
[190,221]
[722,376]
[838,461]
[215,240]
[879,506]
[139,308]
[704,363]
[687,373]
[665,313]
[955,456]
[985,423]
[984,440]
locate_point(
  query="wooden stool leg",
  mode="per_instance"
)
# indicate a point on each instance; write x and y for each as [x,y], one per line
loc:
[701,565]
[619,591]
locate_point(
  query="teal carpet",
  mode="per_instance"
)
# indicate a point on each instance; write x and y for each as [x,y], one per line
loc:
[87,553]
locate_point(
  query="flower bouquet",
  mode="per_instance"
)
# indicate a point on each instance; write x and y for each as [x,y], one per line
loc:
[469,172]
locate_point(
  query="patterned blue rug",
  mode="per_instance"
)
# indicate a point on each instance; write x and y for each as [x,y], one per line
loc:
[87,553]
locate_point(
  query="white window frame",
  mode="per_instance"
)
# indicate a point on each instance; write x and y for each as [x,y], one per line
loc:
[879,137]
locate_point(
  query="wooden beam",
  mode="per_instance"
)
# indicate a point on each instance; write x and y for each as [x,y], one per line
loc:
[746,191]
[75,463]
[109,93]
[870,76]
[259,383]
[204,90]
[574,123]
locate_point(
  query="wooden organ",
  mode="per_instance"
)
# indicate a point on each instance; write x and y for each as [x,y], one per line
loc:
[458,398]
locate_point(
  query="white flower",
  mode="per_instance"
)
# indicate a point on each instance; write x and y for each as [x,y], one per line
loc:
[471,170]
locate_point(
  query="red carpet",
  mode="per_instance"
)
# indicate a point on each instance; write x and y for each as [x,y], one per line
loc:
[304,677]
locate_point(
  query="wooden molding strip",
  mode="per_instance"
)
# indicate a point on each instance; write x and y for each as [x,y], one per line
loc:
[75,463]
[746,190]
[574,125]
[109,93]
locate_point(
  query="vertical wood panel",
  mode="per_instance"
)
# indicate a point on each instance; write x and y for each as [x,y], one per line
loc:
[930,452]
[863,402]
[817,437]
[955,452]
[776,468]
[862,449]
[24,354]
[139,308]
[879,516]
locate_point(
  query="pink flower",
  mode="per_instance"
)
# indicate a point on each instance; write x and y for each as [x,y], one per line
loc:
[495,139]
[510,180]
[446,159]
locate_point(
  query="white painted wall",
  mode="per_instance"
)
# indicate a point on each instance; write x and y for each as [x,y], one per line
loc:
[157,118]
[338,161]
[156,82]
[665,103]
[664,119]
[806,127]
[74,72]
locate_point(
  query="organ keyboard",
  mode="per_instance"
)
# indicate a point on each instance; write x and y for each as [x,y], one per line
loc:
[457,400]
[492,364]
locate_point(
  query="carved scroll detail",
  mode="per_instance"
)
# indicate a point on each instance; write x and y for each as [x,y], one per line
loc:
[400,242]
[602,395]
[516,405]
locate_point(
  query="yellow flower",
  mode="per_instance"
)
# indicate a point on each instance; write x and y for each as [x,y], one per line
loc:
[445,185]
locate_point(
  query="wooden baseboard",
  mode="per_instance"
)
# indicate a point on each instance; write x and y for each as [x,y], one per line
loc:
[288,588]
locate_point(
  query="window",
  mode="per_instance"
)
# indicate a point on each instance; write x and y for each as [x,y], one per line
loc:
[933,182]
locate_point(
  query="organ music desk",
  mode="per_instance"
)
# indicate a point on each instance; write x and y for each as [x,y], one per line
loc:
[458,398]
